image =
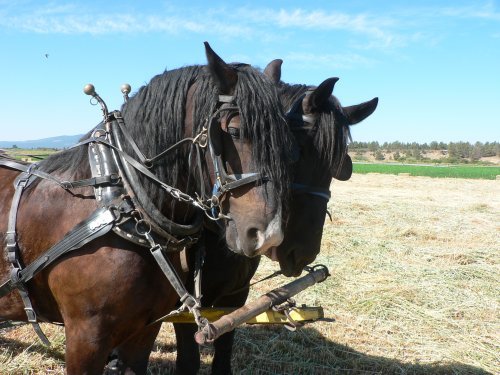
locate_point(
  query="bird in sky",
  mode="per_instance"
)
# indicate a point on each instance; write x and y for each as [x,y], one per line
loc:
[46,55]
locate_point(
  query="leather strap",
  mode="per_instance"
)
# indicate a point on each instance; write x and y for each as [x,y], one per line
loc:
[311,190]
[96,225]
[172,276]
[32,168]
[13,253]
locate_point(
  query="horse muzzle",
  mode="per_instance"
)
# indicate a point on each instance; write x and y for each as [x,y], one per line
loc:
[254,238]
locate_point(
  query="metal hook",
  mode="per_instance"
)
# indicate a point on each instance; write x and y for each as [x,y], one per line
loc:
[89,89]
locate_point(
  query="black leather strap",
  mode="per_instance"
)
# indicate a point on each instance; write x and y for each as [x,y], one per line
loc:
[311,190]
[96,225]
[95,181]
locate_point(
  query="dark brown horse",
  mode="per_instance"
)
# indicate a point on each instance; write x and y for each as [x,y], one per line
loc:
[106,290]
[321,131]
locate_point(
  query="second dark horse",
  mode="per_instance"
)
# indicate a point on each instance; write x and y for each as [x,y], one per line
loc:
[321,131]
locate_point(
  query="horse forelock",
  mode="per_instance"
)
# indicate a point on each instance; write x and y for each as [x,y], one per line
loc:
[331,128]
[333,134]
[263,123]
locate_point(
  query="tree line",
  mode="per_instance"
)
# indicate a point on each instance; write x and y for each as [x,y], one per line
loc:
[452,152]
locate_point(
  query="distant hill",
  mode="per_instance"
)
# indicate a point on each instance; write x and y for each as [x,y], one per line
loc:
[52,142]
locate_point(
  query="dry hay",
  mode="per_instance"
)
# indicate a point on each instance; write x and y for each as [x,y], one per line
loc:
[414,290]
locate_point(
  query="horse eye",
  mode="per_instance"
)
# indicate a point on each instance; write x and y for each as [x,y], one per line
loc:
[234,132]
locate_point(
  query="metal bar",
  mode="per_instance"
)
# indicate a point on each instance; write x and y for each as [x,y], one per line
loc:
[275,297]
[298,314]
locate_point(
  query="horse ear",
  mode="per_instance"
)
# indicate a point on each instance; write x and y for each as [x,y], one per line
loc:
[321,94]
[357,113]
[225,77]
[345,171]
[273,70]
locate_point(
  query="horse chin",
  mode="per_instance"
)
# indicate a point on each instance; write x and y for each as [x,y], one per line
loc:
[289,267]
[272,253]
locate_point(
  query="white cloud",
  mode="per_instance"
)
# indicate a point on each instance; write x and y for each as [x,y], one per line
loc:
[338,61]
[485,11]
[393,29]
[235,23]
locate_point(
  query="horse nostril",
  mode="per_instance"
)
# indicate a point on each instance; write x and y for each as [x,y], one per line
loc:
[252,233]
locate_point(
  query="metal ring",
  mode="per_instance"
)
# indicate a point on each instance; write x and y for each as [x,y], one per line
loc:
[145,232]
[175,193]
[321,266]
[115,179]
[222,216]
[214,201]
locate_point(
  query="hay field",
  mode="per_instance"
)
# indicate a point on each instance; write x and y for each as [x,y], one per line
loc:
[414,290]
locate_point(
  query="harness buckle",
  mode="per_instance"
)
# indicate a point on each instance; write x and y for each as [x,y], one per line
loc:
[22,180]
[11,242]
[15,277]
[31,314]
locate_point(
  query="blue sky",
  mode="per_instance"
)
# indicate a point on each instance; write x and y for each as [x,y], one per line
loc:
[435,65]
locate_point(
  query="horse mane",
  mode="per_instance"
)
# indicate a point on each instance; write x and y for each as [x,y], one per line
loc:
[330,141]
[155,116]
[261,123]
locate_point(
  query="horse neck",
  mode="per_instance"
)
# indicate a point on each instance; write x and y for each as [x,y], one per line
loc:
[156,135]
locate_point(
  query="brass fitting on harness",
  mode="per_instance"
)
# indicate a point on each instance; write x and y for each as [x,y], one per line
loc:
[89,89]
[125,89]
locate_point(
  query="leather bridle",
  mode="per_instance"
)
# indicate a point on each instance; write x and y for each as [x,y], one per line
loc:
[225,182]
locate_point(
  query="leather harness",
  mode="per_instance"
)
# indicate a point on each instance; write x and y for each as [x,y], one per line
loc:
[123,206]
[126,209]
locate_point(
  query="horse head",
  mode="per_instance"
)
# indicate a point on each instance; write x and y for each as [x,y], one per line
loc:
[247,141]
[320,125]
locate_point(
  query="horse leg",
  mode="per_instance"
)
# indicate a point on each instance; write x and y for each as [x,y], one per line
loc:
[188,352]
[132,356]
[224,344]
[86,351]
[223,351]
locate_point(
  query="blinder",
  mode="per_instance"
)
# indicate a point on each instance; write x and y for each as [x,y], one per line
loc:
[300,121]
[225,182]
[344,171]
[215,137]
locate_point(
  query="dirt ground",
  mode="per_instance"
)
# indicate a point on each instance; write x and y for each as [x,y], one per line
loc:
[433,155]
[414,289]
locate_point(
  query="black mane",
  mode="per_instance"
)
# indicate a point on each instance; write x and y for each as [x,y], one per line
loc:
[155,118]
[262,123]
[330,140]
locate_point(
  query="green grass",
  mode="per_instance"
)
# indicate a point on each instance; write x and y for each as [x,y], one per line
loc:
[452,171]
[30,155]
